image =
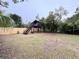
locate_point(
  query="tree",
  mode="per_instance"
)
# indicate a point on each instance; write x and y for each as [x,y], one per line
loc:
[6,21]
[77,10]
[43,23]
[59,13]
[18,23]
[16,19]
[5,3]
[49,23]
[73,24]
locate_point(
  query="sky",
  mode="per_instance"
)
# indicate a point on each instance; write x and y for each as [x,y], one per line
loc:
[29,9]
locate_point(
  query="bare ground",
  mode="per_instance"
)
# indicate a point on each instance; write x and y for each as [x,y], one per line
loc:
[39,46]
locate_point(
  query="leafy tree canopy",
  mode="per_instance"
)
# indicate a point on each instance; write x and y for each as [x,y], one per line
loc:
[5,3]
[17,19]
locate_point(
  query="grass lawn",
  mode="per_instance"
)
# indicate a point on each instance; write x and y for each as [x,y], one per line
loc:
[39,46]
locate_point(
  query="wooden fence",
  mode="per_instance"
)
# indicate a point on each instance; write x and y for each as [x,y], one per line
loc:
[11,30]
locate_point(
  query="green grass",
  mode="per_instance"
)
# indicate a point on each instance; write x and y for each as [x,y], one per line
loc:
[73,38]
[39,46]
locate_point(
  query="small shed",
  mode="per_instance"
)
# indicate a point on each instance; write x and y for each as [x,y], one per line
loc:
[34,26]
